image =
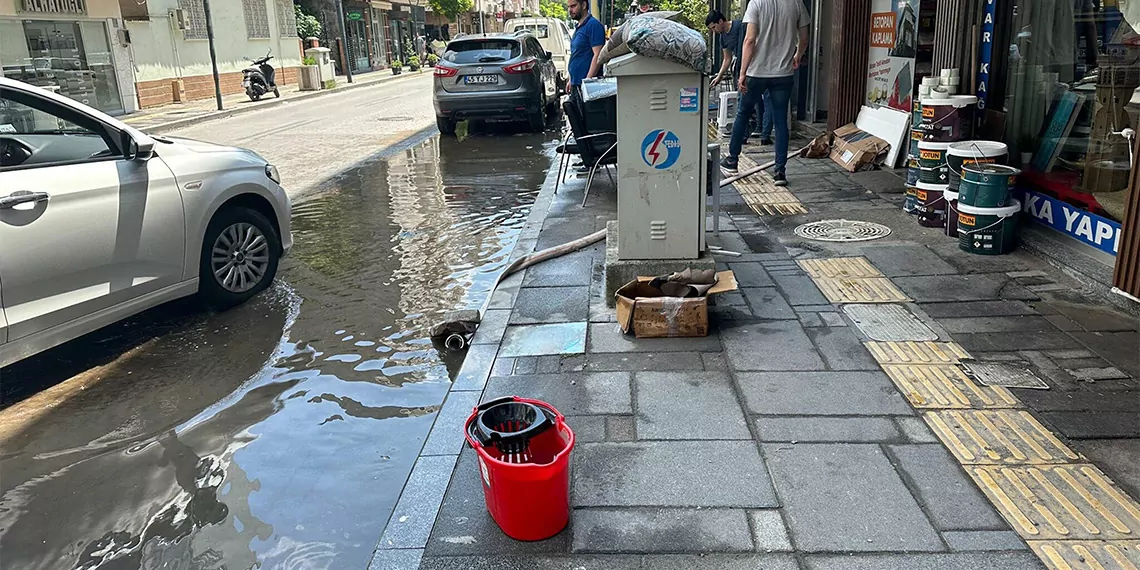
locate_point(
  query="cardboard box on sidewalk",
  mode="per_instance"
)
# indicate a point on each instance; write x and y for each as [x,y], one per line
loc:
[857,150]
[643,311]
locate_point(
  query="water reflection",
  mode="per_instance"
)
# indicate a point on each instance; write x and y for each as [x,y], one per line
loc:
[277,434]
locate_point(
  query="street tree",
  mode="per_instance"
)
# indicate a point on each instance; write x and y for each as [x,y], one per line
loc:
[693,12]
[308,26]
[451,9]
[553,9]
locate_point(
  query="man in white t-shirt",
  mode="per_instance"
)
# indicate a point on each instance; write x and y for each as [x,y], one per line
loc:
[774,45]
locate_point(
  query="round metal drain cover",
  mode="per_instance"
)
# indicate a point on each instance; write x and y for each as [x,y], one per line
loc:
[842,230]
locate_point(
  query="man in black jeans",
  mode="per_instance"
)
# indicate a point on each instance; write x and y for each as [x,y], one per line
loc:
[730,36]
[771,56]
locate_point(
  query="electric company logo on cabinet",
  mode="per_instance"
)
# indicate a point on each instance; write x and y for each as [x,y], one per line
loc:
[660,149]
[1098,232]
[55,6]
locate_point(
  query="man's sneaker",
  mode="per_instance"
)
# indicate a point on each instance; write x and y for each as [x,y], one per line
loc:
[755,134]
[780,179]
[766,142]
[729,164]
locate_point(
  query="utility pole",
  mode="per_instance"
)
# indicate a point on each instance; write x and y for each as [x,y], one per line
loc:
[213,54]
[344,39]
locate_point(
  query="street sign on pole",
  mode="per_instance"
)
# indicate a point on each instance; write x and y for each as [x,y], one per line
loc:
[213,54]
[344,40]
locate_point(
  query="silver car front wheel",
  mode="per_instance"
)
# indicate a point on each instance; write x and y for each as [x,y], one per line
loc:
[240,257]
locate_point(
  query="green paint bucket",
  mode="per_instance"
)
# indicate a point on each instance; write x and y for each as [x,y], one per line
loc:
[932,162]
[973,152]
[910,205]
[988,231]
[987,185]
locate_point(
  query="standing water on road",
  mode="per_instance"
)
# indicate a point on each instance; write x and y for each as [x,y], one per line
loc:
[280,433]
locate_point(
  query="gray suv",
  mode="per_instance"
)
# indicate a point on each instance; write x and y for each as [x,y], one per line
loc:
[495,77]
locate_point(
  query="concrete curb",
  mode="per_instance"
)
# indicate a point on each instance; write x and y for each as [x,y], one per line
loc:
[179,123]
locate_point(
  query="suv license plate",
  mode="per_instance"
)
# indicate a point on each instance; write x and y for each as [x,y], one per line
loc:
[480,79]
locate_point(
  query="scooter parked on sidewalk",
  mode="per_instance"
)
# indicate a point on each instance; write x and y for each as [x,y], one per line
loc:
[259,79]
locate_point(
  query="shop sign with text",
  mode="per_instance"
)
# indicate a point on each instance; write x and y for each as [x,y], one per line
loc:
[893,46]
[55,6]
[1090,229]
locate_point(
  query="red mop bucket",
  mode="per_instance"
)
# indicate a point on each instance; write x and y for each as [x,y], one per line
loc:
[524,462]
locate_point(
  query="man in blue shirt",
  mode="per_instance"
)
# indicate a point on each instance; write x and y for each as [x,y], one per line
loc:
[587,43]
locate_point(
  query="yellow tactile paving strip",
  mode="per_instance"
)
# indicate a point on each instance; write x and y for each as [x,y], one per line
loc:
[1059,502]
[1088,554]
[946,386]
[1068,511]
[851,280]
[766,199]
[998,437]
[917,352]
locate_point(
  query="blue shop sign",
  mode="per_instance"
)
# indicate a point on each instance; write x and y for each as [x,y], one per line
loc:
[1100,233]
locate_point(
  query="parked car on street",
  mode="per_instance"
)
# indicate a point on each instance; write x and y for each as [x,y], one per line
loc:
[553,35]
[99,221]
[495,77]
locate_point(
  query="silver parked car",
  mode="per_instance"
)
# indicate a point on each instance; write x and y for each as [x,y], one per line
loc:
[99,221]
[495,77]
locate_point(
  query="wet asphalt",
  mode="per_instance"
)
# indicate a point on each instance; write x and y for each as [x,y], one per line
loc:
[277,434]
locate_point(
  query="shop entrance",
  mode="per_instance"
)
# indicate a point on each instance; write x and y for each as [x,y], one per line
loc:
[356,29]
[72,58]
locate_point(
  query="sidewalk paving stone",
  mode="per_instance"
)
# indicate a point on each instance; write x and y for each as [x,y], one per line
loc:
[950,497]
[412,520]
[661,530]
[822,393]
[769,532]
[957,309]
[966,540]
[832,319]
[799,289]
[492,326]
[841,349]
[817,429]
[713,360]
[847,497]
[587,429]
[951,561]
[542,340]
[767,303]
[688,405]
[405,559]
[1092,397]
[620,428]
[575,562]
[906,260]
[607,337]
[446,437]
[538,305]
[944,288]
[464,527]
[1095,319]
[769,345]
[1119,348]
[719,562]
[672,474]
[811,320]
[1084,425]
[916,430]
[1119,458]
[571,269]
[1006,342]
[997,324]
[572,394]
[750,274]
[476,367]
[634,361]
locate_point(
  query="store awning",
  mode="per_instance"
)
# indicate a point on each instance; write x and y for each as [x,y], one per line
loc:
[381,5]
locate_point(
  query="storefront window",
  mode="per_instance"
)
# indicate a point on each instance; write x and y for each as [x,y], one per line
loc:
[1074,69]
[72,58]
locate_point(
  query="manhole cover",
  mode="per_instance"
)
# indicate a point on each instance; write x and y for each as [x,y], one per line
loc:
[888,323]
[1005,375]
[842,230]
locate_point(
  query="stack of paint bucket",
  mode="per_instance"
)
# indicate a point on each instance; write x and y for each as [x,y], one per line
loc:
[961,154]
[987,211]
[913,173]
[946,118]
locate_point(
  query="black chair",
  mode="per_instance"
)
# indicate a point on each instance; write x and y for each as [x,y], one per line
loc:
[596,148]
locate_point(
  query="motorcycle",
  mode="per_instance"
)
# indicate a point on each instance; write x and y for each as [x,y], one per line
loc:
[259,79]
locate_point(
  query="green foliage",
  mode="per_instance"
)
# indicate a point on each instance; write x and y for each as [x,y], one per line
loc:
[414,62]
[309,60]
[451,9]
[693,12]
[307,26]
[553,9]
[409,52]
[397,63]
[432,59]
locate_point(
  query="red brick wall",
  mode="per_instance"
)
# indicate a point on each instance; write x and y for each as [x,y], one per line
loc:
[160,92]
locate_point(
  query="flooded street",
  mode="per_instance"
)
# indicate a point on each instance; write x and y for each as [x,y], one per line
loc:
[277,434]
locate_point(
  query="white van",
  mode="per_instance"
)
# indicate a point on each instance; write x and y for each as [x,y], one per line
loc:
[554,37]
